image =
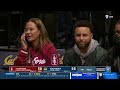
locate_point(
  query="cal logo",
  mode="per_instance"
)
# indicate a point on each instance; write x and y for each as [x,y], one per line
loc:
[9,60]
[45,68]
[54,59]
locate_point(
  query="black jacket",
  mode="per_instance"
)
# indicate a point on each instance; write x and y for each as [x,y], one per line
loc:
[114,59]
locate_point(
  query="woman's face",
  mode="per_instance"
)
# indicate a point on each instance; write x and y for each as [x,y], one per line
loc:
[31,31]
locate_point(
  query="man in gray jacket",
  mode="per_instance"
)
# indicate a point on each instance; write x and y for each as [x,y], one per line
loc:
[86,50]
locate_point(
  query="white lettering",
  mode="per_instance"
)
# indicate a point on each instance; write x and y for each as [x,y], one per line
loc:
[39,61]
[76,74]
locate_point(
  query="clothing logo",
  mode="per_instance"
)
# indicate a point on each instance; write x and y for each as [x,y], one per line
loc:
[54,59]
[39,61]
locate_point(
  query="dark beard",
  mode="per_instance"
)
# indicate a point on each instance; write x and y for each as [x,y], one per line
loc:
[84,47]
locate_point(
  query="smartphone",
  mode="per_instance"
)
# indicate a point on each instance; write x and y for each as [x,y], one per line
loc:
[26,41]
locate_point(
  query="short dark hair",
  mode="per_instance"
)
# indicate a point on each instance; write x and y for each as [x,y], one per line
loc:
[118,22]
[83,23]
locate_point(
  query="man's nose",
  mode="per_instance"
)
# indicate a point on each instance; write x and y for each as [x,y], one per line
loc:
[81,37]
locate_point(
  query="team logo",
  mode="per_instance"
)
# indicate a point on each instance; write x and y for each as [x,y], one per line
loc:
[54,59]
[45,68]
[9,60]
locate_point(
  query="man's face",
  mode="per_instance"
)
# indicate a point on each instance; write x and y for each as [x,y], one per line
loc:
[116,37]
[82,36]
[117,29]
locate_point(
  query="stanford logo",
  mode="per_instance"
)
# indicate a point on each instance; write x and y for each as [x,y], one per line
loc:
[54,59]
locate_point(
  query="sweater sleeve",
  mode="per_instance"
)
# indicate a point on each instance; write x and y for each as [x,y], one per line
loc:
[22,56]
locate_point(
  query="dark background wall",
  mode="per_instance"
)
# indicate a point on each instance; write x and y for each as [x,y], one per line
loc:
[59,25]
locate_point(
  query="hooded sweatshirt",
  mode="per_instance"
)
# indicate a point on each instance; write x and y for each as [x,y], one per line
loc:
[95,56]
[47,57]
[92,47]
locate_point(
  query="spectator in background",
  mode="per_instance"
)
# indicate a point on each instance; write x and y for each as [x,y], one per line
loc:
[36,47]
[86,51]
[114,51]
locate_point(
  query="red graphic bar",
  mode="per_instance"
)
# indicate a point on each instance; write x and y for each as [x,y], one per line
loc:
[25,69]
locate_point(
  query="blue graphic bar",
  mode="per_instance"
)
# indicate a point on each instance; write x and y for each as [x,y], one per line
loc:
[82,69]
[42,75]
[77,75]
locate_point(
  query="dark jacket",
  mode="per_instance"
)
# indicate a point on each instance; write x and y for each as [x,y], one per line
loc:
[114,59]
[98,57]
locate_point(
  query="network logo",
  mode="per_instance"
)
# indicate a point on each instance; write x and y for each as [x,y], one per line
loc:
[108,69]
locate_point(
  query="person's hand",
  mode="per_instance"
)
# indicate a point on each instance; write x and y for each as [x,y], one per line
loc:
[23,42]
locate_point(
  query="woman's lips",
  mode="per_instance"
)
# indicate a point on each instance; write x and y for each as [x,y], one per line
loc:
[28,37]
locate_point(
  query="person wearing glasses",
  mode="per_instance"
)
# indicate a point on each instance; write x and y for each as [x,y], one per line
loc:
[114,51]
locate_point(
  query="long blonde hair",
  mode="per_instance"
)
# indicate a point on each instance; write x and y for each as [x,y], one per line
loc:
[44,38]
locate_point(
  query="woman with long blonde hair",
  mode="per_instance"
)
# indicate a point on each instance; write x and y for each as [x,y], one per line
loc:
[36,47]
